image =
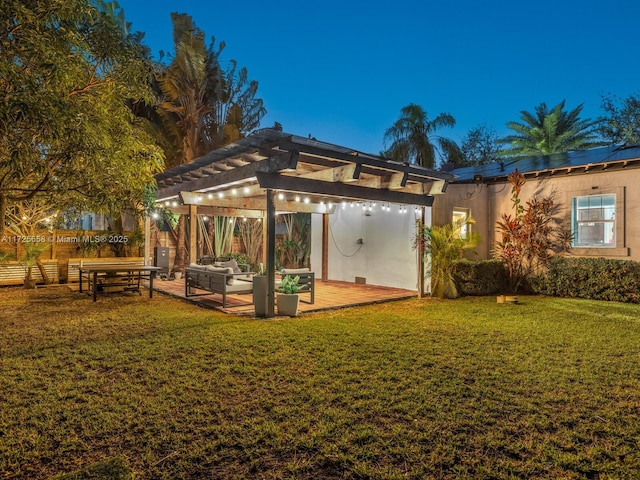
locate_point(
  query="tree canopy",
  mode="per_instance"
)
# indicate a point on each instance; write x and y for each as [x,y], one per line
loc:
[621,122]
[204,106]
[550,131]
[67,134]
[480,146]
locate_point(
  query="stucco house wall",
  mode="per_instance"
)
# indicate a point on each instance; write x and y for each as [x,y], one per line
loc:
[487,202]
[385,257]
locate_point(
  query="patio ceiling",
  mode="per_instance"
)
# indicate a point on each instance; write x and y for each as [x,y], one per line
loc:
[309,176]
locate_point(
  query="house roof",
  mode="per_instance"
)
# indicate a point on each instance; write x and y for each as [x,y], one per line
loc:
[602,158]
[237,176]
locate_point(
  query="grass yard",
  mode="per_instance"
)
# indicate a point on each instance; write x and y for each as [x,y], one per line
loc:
[549,388]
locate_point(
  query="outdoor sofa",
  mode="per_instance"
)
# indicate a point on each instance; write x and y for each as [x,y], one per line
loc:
[221,280]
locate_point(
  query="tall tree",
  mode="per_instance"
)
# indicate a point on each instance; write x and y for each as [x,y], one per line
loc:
[550,131]
[204,106]
[412,138]
[480,146]
[66,133]
[621,122]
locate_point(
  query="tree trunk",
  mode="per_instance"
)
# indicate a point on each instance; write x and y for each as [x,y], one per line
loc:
[180,251]
[43,272]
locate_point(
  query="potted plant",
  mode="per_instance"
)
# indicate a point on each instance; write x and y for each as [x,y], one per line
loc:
[177,273]
[288,298]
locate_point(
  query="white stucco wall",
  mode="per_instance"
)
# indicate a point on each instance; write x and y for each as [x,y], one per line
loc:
[386,256]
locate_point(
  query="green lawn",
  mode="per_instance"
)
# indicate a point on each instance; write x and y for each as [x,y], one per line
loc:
[468,388]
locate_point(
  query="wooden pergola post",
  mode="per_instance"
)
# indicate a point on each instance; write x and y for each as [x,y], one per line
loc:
[271,252]
[193,233]
[147,241]
[420,254]
[325,247]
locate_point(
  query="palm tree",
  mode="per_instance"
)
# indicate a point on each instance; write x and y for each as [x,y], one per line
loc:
[204,106]
[550,131]
[411,138]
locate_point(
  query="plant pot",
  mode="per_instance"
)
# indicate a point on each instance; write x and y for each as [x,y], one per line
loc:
[288,304]
[260,295]
[177,275]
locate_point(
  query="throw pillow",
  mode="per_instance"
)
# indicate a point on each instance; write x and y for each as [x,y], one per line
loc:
[233,264]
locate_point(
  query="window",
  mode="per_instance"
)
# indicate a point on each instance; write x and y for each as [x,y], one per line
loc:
[461,217]
[594,221]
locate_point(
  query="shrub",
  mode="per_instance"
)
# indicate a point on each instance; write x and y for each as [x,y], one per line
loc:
[592,278]
[442,246]
[529,238]
[480,277]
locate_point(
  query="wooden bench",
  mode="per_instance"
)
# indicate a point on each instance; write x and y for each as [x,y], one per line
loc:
[220,280]
[74,264]
[13,273]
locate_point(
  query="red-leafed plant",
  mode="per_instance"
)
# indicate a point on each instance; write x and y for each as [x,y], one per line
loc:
[529,237]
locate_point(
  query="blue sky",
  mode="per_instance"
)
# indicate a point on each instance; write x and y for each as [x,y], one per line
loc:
[342,70]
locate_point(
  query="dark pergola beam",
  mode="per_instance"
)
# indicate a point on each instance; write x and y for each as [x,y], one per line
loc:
[274,164]
[366,160]
[258,204]
[356,192]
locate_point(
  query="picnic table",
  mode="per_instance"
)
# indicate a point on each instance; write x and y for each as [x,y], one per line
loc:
[127,276]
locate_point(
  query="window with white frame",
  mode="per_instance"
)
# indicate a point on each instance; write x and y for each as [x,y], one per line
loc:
[594,221]
[460,217]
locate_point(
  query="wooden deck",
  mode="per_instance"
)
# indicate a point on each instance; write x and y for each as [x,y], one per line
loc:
[329,295]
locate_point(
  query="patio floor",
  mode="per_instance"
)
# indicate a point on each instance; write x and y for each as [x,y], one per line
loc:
[328,295]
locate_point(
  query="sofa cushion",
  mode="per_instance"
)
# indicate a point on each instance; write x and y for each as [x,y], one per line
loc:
[214,269]
[222,270]
[233,264]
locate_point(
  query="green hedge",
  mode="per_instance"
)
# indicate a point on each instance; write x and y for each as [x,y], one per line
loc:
[480,277]
[592,278]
